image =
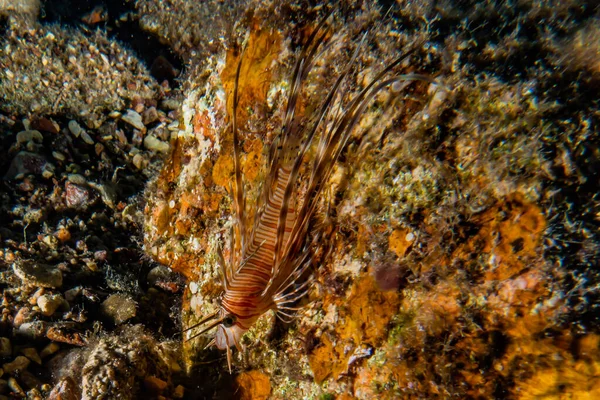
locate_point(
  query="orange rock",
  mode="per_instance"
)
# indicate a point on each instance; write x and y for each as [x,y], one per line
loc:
[399,242]
[253,385]
[253,160]
[222,172]
[155,384]
[263,47]
[363,319]
[201,124]
[63,234]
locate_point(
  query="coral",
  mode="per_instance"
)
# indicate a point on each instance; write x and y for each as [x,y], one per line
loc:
[113,365]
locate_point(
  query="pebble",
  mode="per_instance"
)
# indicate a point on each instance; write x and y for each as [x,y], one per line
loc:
[15,387]
[34,394]
[179,392]
[49,303]
[48,171]
[137,138]
[134,119]
[153,143]
[50,349]
[119,308]
[58,155]
[154,384]
[77,179]
[107,192]
[63,234]
[33,299]
[71,294]
[63,335]
[23,315]
[158,274]
[46,125]
[33,330]
[28,136]
[25,163]
[138,161]
[36,274]
[3,385]
[150,115]
[18,364]
[75,128]
[121,136]
[87,138]
[32,354]
[5,347]
[76,196]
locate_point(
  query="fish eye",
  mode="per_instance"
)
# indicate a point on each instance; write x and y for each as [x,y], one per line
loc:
[228,321]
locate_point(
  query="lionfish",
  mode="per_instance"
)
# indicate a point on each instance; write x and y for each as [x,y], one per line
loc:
[267,269]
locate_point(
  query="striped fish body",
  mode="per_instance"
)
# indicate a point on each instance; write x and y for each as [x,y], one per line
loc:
[243,296]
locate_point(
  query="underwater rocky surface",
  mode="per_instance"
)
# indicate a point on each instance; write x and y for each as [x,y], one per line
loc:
[462,220]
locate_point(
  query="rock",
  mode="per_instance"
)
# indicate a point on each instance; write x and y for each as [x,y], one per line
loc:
[179,392]
[77,179]
[3,386]
[5,347]
[63,234]
[163,278]
[18,364]
[154,384]
[119,308]
[33,330]
[58,155]
[75,128]
[23,315]
[138,161]
[25,163]
[65,335]
[253,385]
[76,196]
[153,143]
[134,119]
[36,274]
[28,136]
[150,115]
[46,125]
[50,349]
[71,294]
[15,387]
[34,394]
[87,138]
[48,303]
[32,354]
[107,192]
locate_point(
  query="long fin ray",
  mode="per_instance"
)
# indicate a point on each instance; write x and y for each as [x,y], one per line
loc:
[239,197]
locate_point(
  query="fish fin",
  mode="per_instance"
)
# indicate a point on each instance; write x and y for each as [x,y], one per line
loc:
[225,270]
[229,359]
[239,197]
